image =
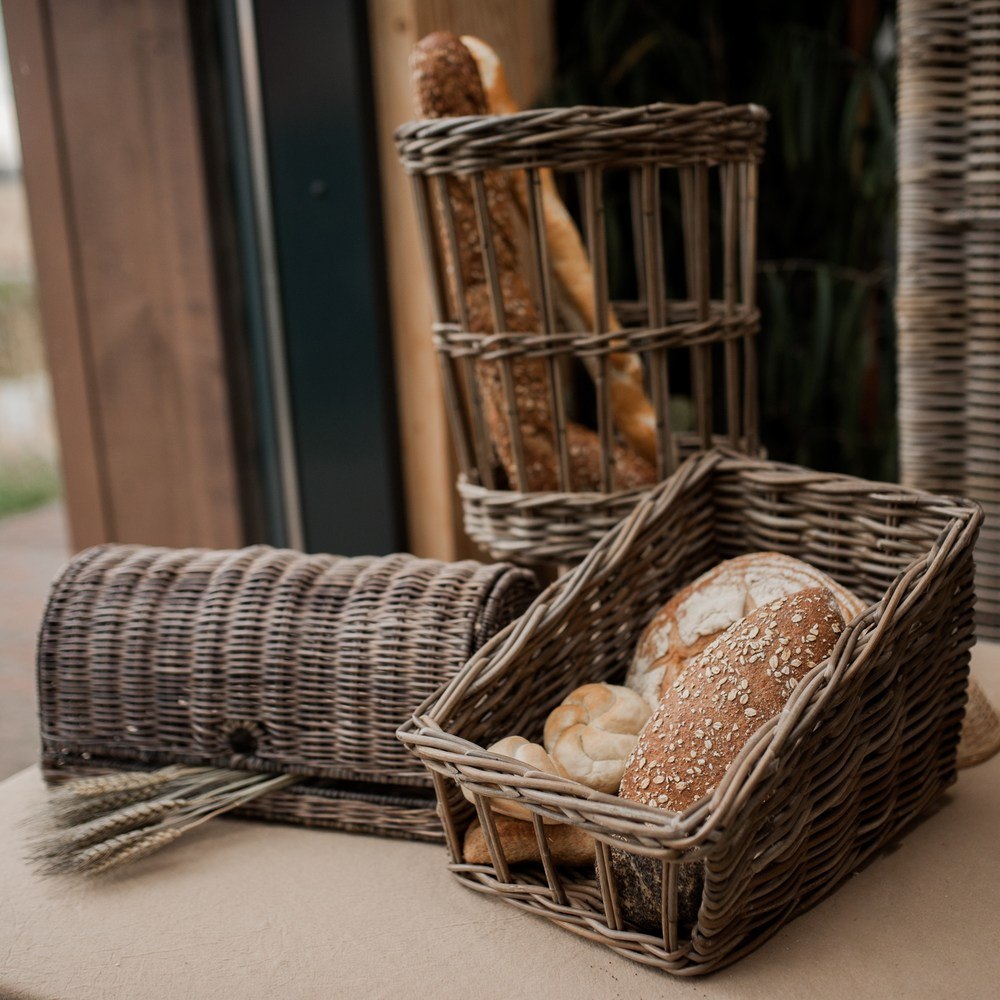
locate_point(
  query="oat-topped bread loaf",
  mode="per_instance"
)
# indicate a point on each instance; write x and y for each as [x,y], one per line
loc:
[704,609]
[716,703]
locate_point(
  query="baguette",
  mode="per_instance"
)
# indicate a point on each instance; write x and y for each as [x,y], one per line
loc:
[447,83]
[569,844]
[631,409]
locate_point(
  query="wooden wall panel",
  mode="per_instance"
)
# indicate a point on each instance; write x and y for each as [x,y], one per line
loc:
[114,172]
[57,268]
[522,33]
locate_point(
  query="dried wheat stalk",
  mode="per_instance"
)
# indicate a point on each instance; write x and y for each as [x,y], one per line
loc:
[98,824]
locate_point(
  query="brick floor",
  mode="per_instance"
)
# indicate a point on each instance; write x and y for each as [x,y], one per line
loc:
[33,547]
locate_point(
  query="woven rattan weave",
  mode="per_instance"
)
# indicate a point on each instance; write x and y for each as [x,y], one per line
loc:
[865,744]
[695,342]
[268,660]
[947,304]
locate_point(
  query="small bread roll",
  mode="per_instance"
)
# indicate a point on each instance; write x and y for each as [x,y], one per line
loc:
[569,845]
[593,731]
[717,702]
[528,753]
[703,610]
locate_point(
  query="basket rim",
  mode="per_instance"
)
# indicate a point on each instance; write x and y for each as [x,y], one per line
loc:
[649,830]
[546,136]
[591,498]
[554,116]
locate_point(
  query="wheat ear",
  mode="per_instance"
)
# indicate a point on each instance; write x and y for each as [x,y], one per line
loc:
[109,822]
[139,815]
[103,784]
[140,848]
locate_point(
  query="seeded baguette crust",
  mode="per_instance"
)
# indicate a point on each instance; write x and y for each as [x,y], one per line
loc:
[447,84]
[740,681]
[704,609]
[633,413]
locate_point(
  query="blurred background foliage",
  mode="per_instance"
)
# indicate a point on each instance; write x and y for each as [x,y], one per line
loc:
[826,73]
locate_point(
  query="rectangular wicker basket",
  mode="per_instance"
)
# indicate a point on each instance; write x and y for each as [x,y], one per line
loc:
[267,660]
[864,745]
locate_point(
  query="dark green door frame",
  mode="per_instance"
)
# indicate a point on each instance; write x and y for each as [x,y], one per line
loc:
[305,186]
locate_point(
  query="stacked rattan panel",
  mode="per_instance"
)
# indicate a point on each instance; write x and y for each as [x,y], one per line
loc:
[865,744]
[981,224]
[264,659]
[703,159]
[949,263]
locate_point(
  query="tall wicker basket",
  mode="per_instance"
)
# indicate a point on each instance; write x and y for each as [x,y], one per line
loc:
[696,340]
[864,745]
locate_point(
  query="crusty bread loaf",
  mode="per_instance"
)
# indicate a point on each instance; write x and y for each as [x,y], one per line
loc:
[704,609]
[447,84]
[631,409]
[527,753]
[717,702]
[742,679]
[569,844]
[590,735]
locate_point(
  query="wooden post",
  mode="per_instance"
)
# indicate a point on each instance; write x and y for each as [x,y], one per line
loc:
[113,168]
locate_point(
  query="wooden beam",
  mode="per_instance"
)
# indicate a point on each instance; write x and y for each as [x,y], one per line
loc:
[29,41]
[522,32]
[115,178]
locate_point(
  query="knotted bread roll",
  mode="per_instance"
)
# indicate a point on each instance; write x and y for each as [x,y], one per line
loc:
[527,753]
[593,731]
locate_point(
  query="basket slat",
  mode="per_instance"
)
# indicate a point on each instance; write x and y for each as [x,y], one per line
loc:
[948,147]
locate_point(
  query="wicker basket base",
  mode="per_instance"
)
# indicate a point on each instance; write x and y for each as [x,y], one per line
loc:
[540,529]
[548,529]
[383,816]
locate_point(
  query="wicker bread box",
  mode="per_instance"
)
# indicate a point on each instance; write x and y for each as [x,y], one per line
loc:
[267,660]
[864,745]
